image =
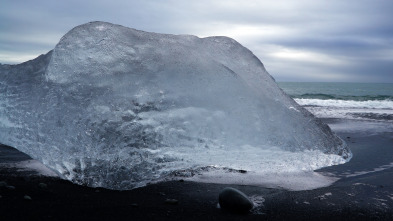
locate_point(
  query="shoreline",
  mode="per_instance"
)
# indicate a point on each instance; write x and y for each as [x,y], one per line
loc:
[56,199]
[361,193]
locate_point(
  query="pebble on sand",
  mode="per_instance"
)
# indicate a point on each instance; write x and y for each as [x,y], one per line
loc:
[43,185]
[234,201]
[10,187]
[171,201]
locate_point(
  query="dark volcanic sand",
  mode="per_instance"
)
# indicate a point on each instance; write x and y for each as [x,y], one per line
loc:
[363,197]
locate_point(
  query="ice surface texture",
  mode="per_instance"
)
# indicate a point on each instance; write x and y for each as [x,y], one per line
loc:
[115,107]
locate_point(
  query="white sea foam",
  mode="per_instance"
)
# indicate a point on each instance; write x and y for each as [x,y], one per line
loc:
[376,110]
[380,168]
[351,113]
[370,104]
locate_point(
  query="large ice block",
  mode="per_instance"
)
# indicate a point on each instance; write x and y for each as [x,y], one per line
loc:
[115,107]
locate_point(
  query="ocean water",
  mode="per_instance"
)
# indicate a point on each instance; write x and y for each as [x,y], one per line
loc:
[371,102]
[361,114]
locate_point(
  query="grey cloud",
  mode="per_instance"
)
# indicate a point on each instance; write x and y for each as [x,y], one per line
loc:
[357,31]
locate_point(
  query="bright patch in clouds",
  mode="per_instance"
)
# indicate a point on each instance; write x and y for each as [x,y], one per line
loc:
[306,56]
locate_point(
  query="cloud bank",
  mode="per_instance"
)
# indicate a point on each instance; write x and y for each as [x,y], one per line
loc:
[296,40]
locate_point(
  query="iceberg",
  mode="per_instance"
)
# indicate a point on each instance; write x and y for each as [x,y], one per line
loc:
[116,107]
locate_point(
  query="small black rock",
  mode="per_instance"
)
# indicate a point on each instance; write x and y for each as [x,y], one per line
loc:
[171,201]
[10,187]
[234,201]
[42,185]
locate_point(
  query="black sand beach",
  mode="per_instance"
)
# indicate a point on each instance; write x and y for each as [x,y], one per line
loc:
[368,195]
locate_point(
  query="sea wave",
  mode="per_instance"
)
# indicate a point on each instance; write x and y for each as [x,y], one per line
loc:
[322,96]
[365,104]
[380,115]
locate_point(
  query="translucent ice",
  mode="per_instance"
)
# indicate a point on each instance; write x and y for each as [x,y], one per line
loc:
[116,107]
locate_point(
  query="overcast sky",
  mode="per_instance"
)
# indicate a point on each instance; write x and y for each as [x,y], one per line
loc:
[297,40]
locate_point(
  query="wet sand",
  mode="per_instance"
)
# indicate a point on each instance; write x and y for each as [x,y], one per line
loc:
[367,194]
